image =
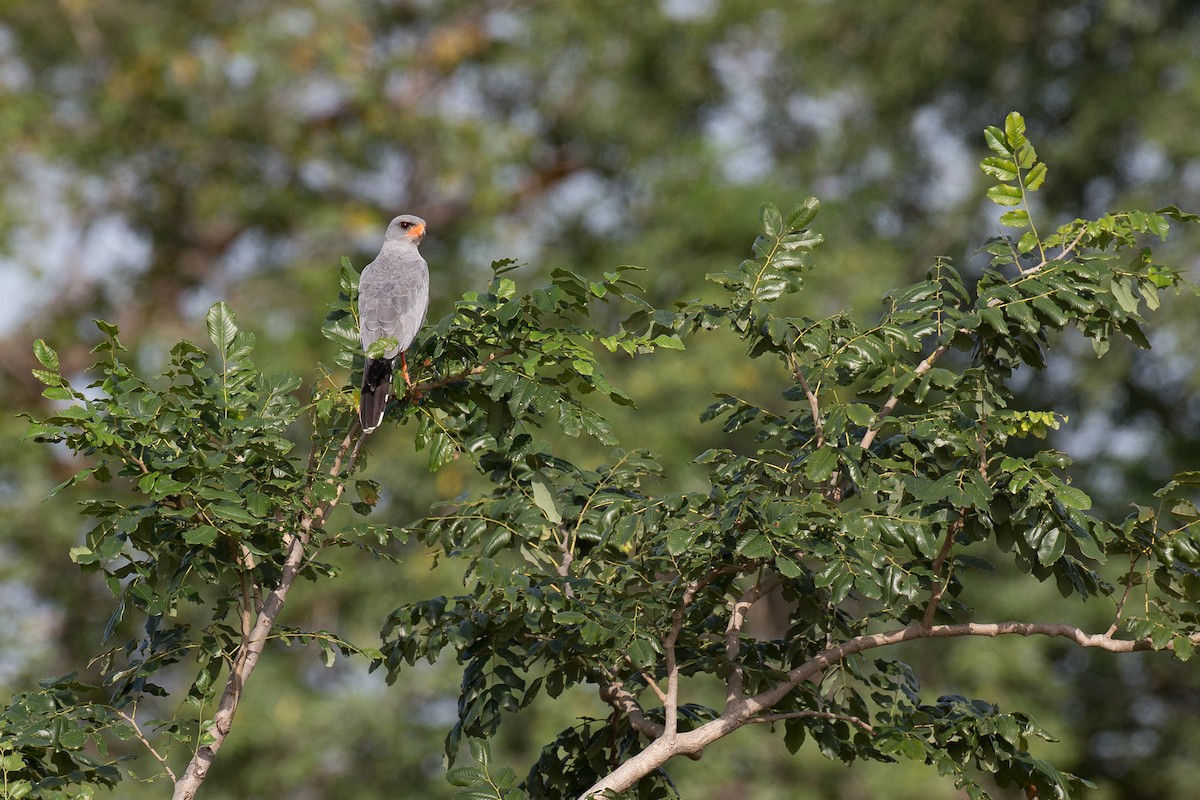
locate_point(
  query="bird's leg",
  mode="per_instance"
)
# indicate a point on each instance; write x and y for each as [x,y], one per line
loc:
[404,371]
[414,390]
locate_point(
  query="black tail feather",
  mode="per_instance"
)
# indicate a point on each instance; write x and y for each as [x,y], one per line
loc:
[376,392]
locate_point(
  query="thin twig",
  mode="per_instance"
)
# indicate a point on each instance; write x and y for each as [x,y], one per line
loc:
[137,731]
[422,388]
[1063,254]
[813,404]
[890,405]
[939,582]
[653,685]
[785,715]
[1116,623]
[735,683]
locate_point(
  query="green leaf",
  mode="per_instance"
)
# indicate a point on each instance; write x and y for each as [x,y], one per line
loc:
[1052,546]
[1122,290]
[107,328]
[201,535]
[803,214]
[380,347]
[788,568]
[1035,177]
[1000,168]
[772,220]
[1183,647]
[995,142]
[1004,195]
[669,341]
[480,752]
[819,466]
[641,653]
[679,540]
[1015,219]
[83,555]
[544,499]
[234,513]
[1028,242]
[466,776]
[1072,497]
[221,326]
[45,355]
[1014,129]
[754,546]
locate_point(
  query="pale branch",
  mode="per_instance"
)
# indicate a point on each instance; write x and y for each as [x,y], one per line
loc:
[564,571]
[735,683]
[249,565]
[141,737]
[1066,251]
[243,665]
[1116,623]
[940,581]
[671,704]
[757,708]
[422,388]
[786,715]
[623,701]
[248,609]
[662,696]
[768,698]
[813,405]
[890,404]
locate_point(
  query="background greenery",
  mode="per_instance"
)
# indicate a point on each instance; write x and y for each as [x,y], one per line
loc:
[159,157]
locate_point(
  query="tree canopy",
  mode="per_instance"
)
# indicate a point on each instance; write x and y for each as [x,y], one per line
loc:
[162,159]
[892,469]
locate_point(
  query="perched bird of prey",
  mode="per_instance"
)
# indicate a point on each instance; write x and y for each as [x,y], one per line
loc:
[393,296]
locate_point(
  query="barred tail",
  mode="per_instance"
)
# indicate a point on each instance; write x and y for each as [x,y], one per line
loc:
[376,392]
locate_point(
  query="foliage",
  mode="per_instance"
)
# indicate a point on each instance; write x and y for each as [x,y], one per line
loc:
[45,739]
[894,465]
[222,513]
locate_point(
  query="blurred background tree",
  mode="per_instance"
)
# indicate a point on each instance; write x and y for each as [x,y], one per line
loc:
[161,156]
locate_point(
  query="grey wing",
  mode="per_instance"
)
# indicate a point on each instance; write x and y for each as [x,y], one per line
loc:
[392,303]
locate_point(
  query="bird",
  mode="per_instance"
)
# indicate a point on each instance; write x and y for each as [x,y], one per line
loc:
[393,298]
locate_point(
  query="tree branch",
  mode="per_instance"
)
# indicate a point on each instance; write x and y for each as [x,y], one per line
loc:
[735,683]
[939,582]
[623,701]
[421,388]
[813,405]
[1116,623]
[785,715]
[247,658]
[662,696]
[671,704]
[890,405]
[1066,251]
[141,737]
[752,710]
[767,699]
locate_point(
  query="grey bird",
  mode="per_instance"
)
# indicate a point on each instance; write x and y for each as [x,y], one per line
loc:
[393,296]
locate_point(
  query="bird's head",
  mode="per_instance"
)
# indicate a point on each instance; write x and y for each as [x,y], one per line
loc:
[406,228]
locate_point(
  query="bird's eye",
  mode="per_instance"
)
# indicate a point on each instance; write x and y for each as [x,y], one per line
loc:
[406,225]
